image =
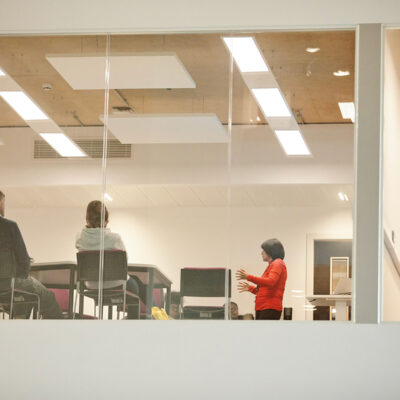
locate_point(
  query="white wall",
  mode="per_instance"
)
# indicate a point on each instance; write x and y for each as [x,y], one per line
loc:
[189,16]
[173,238]
[198,360]
[257,158]
[391,172]
[391,289]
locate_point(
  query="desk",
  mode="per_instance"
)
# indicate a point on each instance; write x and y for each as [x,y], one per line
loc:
[339,301]
[57,275]
[153,278]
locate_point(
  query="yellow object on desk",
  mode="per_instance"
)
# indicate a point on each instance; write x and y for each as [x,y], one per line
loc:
[158,314]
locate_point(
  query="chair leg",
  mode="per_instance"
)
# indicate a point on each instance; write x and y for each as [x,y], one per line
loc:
[110,312]
[124,306]
[12,298]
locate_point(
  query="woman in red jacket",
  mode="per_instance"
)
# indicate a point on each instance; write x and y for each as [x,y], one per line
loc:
[271,285]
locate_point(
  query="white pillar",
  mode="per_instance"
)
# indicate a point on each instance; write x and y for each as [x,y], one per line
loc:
[367,245]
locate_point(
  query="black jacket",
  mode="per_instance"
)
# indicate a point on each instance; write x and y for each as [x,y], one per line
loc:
[11,238]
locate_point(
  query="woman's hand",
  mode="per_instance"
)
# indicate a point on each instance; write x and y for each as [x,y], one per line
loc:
[241,274]
[243,287]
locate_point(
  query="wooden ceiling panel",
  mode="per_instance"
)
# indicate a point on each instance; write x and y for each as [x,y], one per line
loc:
[306,79]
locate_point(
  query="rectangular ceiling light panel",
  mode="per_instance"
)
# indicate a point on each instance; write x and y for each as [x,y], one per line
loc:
[246,54]
[348,110]
[293,143]
[134,71]
[63,145]
[272,102]
[168,128]
[24,106]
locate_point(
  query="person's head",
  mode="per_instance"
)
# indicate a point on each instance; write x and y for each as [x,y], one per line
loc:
[2,203]
[93,214]
[234,311]
[174,307]
[272,249]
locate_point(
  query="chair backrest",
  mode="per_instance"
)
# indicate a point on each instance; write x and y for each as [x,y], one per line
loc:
[115,265]
[8,264]
[204,282]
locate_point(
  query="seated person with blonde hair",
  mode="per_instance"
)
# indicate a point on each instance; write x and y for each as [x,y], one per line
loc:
[89,239]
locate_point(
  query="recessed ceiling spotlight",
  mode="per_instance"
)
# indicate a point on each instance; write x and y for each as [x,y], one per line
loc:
[341,73]
[312,49]
[251,120]
[47,86]
[343,196]
[258,119]
[107,197]
[2,73]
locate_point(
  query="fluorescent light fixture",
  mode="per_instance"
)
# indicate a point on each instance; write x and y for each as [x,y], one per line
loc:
[341,73]
[293,143]
[258,119]
[312,49]
[23,105]
[107,197]
[271,102]
[246,54]
[63,145]
[348,110]
[297,296]
[346,197]
[2,73]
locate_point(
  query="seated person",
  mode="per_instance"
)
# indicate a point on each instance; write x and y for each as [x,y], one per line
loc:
[174,308]
[233,311]
[11,238]
[89,239]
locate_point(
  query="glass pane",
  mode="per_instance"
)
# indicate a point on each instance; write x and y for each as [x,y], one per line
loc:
[50,156]
[391,218]
[167,172]
[292,164]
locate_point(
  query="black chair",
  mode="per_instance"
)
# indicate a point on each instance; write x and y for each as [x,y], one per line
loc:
[204,282]
[115,268]
[10,297]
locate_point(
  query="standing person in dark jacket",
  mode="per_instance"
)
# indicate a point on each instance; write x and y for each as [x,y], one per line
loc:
[11,238]
[271,285]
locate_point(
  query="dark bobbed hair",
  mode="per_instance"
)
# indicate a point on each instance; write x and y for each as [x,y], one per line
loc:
[274,248]
[93,214]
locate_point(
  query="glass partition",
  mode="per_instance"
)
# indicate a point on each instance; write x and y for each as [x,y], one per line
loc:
[51,164]
[292,168]
[391,220]
[168,161]
[168,172]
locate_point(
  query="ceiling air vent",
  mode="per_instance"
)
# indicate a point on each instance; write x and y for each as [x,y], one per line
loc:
[92,147]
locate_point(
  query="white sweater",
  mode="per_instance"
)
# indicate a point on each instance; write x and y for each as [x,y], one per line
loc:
[89,239]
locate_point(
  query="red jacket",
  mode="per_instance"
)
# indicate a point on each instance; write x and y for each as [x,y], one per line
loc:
[270,287]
